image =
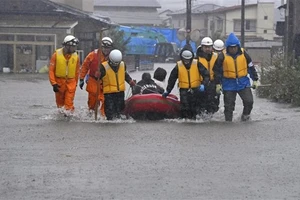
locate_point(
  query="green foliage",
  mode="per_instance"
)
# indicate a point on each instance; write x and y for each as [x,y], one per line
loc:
[118,38]
[281,82]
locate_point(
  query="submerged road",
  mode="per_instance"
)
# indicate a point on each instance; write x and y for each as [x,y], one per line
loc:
[44,156]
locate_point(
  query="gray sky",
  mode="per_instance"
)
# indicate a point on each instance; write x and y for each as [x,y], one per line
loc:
[178,4]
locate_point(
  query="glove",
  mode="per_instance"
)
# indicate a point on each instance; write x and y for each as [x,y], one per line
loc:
[218,89]
[87,78]
[254,84]
[165,94]
[81,83]
[201,88]
[132,83]
[55,88]
[97,74]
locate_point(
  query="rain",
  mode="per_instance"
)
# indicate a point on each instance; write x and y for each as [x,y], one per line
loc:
[47,155]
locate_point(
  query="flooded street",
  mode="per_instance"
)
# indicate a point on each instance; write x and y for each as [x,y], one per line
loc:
[45,156]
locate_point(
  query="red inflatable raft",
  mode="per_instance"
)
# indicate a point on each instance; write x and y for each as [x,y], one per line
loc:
[152,107]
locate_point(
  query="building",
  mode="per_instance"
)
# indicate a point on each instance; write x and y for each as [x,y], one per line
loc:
[166,18]
[129,12]
[32,30]
[290,27]
[199,17]
[259,21]
[216,21]
[84,5]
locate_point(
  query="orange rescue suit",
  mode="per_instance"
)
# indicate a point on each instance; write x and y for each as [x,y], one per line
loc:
[90,65]
[64,71]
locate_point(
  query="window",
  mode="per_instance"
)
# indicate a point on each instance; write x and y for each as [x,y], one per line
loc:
[220,25]
[249,25]
[265,17]
[25,37]
[6,37]
[44,38]
[265,31]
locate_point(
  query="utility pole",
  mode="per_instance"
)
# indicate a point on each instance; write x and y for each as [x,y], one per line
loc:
[286,40]
[243,24]
[188,20]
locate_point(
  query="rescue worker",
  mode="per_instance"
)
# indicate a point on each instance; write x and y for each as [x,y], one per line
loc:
[147,86]
[160,76]
[231,70]
[218,46]
[90,67]
[209,100]
[64,71]
[113,74]
[188,71]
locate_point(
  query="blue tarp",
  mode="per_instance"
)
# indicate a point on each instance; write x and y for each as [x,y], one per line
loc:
[143,39]
[171,36]
[141,46]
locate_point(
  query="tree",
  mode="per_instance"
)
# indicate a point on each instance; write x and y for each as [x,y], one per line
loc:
[119,40]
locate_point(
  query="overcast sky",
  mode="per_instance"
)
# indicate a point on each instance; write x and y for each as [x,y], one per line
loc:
[178,4]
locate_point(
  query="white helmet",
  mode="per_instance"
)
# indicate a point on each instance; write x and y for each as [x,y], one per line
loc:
[187,54]
[70,40]
[115,56]
[218,45]
[106,42]
[206,41]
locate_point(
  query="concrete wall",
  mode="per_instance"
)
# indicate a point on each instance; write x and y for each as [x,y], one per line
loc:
[265,25]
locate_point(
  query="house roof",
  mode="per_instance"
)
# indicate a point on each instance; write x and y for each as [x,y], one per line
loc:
[165,11]
[74,11]
[236,7]
[138,17]
[47,7]
[203,8]
[37,24]
[127,3]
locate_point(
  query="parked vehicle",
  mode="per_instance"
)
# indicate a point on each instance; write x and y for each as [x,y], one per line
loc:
[166,52]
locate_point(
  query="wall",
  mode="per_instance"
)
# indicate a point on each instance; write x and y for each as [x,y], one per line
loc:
[214,17]
[254,12]
[250,13]
[85,5]
[198,22]
[265,9]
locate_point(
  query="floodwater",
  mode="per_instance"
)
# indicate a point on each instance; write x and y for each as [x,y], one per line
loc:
[46,156]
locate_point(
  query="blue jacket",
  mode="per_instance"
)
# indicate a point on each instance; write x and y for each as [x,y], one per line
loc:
[237,84]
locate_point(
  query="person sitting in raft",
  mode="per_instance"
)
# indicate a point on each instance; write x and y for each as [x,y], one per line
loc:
[147,86]
[160,76]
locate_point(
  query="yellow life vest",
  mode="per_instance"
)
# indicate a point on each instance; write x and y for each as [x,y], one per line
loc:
[65,68]
[188,78]
[209,65]
[235,68]
[113,82]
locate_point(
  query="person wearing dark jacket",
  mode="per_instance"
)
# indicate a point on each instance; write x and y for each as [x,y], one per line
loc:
[210,100]
[159,77]
[188,71]
[231,75]
[113,75]
[146,86]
